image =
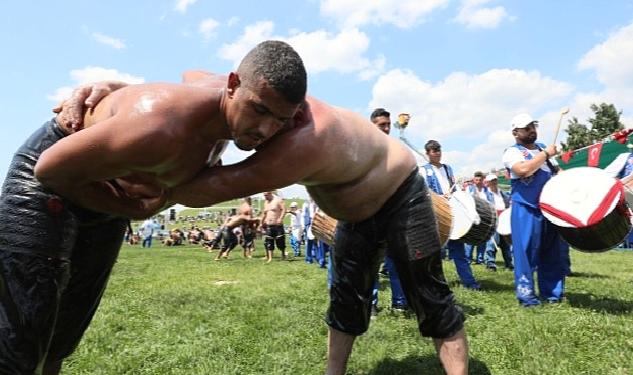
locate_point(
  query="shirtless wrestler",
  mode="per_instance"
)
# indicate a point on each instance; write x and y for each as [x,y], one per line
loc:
[67,197]
[272,222]
[369,182]
[249,228]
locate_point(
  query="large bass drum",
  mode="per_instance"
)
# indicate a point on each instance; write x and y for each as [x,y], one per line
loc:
[588,208]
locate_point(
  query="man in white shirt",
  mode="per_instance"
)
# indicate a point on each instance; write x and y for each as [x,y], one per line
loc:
[535,242]
[479,190]
[440,179]
[295,228]
[501,201]
[147,231]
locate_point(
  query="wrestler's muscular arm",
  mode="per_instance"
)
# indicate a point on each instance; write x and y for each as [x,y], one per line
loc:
[71,111]
[273,166]
[114,148]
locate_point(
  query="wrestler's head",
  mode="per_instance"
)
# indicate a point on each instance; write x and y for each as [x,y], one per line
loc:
[264,93]
[268,195]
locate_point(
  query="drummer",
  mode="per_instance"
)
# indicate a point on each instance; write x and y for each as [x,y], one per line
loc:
[536,243]
[501,200]
[440,179]
[478,189]
[622,168]
[382,119]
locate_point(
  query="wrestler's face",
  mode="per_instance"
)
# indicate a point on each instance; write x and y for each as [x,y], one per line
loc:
[383,123]
[527,135]
[268,196]
[256,112]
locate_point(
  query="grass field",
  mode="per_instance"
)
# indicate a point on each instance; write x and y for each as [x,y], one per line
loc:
[175,311]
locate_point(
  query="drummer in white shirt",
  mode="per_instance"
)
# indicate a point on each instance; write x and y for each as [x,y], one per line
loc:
[478,189]
[501,201]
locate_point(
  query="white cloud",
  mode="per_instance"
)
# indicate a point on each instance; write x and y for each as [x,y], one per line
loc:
[321,51]
[92,74]
[182,5]
[470,109]
[232,21]
[252,35]
[108,40]
[208,27]
[401,13]
[473,14]
[611,59]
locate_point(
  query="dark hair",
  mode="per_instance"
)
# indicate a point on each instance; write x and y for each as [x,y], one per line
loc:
[432,145]
[379,112]
[479,174]
[280,65]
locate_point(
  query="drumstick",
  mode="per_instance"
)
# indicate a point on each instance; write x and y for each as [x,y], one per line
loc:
[411,146]
[563,112]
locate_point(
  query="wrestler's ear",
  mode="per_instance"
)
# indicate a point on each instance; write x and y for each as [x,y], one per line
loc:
[233,83]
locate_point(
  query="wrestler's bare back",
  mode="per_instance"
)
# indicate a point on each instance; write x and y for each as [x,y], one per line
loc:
[361,166]
[147,137]
[183,144]
[349,167]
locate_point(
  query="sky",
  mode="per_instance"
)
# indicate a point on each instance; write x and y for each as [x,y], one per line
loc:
[461,68]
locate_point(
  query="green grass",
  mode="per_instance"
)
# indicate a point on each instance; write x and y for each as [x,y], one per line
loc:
[175,311]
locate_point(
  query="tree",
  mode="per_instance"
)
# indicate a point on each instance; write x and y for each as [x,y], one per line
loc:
[578,135]
[605,122]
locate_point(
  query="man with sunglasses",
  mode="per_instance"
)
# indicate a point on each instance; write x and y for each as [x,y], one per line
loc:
[536,243]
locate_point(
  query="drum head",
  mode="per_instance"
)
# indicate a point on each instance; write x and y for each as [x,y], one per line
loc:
[464,213]
[504,227]
[577,194]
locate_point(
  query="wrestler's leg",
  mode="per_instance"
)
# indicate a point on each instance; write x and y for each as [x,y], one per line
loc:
[269,244]
[355,262]
[93,257]
[414,246]
[280,240]
[37,232]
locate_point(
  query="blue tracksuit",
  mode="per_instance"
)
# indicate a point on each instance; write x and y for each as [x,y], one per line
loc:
[536,244]
[478,249]
[625,171]
[491,249]
[456,250]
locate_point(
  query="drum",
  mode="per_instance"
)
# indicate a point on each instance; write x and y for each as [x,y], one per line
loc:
[474,219]
[588,208]
[324,227]
[504,226]
[443,217]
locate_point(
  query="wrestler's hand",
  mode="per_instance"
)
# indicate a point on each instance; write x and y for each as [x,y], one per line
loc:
[139,190]
[148,207]
[70,112]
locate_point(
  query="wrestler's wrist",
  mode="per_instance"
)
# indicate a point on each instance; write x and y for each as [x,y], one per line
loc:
[547,155]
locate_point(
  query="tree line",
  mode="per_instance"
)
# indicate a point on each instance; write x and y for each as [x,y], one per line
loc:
[604,122]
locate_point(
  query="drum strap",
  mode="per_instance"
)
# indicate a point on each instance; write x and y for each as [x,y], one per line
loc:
[551,166]
[598,214]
